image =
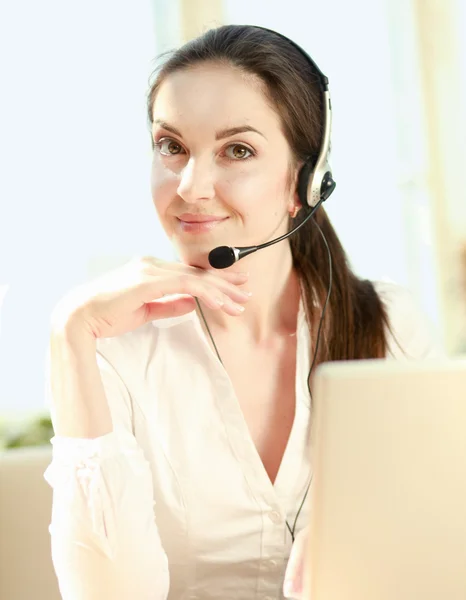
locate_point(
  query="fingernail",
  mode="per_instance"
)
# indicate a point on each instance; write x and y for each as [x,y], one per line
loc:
[239,308]
[220,301]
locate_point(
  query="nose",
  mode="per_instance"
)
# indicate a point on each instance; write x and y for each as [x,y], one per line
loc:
[196,181]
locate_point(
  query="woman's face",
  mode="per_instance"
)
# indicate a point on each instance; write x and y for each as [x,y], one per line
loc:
[221,164]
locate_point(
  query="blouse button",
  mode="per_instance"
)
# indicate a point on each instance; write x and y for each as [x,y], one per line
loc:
[275,517]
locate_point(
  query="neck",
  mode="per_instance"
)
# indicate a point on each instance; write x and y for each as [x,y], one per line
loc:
[273,307]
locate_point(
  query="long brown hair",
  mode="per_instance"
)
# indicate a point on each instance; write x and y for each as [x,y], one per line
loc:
[355,321]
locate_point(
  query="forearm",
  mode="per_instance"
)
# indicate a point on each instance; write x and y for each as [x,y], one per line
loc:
[78,397]
[105,542]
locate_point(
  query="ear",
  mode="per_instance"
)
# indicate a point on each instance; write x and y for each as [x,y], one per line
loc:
[294,204]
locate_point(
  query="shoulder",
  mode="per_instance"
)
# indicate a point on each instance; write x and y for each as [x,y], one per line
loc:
[411,335]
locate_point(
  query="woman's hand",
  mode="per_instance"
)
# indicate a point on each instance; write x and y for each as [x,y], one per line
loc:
[293,585]
[128,297]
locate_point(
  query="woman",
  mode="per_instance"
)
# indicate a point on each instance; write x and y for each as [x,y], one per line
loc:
[182,424]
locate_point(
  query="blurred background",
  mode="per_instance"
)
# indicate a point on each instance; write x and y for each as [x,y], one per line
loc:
[75,149]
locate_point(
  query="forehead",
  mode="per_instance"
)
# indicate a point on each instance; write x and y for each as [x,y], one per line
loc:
[213,95]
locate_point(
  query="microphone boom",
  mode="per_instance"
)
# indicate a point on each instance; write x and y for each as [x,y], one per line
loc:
[223,257]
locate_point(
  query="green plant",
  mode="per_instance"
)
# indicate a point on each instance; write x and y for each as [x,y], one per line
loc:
[36,432]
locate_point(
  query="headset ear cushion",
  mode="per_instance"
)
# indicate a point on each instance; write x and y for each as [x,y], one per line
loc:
[303,182]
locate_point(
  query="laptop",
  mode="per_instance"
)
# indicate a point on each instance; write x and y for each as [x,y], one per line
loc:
[388,500]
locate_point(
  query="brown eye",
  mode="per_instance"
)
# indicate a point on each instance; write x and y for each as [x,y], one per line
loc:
[238,152]
[169,147]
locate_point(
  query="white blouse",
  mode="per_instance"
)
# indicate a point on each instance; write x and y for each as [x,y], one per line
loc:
[175,502]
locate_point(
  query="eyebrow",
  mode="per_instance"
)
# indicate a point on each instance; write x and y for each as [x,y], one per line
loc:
[220,135]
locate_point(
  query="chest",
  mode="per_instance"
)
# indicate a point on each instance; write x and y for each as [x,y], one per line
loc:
[199,427]
[263,380]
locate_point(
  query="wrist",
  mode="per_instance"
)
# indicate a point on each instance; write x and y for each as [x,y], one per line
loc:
[73,332]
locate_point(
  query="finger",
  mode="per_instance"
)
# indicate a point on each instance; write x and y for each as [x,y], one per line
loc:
[162,309]
[293,584]
[215,277]
[235,294]
[156,287]
[293,588]
[297,585]
[233,276]
[227,283]
[227,274]
[165,309]
[228,288]
[232,308]
[236,277]
[291,571]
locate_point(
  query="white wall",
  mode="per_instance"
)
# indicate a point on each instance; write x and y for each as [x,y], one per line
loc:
[457,208]
[75,158]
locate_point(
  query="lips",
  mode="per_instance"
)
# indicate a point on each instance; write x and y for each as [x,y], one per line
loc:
[196,223]
[192,218]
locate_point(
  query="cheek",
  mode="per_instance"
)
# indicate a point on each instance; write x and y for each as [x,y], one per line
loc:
[164,184]
[249,192]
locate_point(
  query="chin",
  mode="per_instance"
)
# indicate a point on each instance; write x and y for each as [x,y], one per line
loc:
[195,256]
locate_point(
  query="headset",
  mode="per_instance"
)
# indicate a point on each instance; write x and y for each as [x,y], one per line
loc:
[315,180]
